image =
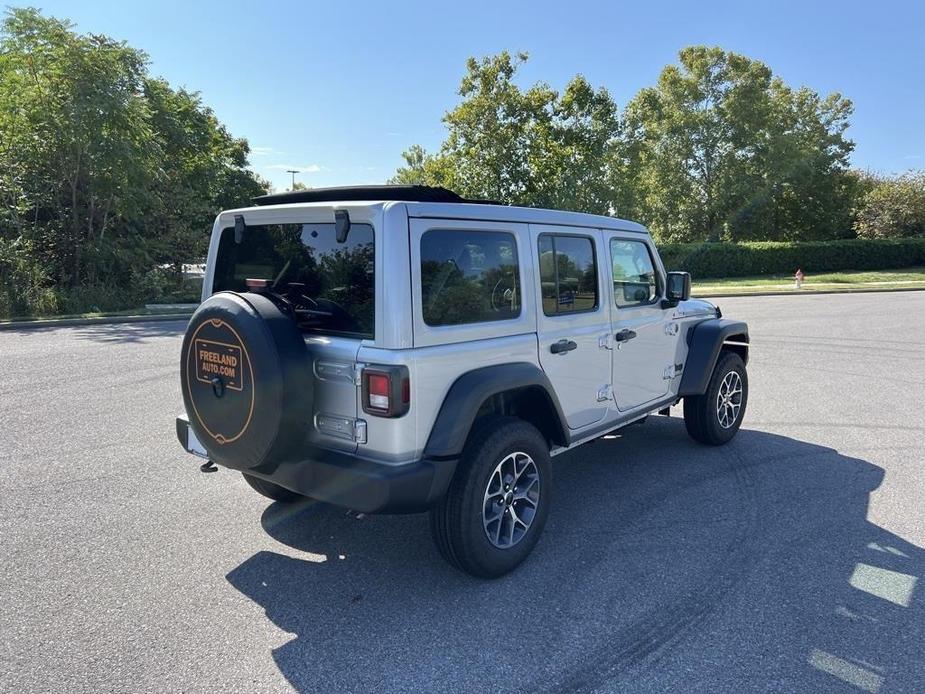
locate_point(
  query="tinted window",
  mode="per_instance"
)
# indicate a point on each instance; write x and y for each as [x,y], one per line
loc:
[634,278]
[568,274]
[469,277]
[330,284]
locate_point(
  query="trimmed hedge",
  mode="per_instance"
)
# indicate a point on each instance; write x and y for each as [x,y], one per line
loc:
[718,260]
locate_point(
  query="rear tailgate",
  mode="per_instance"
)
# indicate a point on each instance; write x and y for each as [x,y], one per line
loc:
[334,414]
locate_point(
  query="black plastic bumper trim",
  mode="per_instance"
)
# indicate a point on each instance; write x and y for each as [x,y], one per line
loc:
[356,483]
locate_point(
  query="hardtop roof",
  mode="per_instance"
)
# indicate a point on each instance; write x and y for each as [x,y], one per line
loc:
[473,211]
[433,202]
[406,193]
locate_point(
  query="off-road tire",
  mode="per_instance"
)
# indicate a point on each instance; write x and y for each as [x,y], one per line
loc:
[270,490]
[457,521]
[700,411]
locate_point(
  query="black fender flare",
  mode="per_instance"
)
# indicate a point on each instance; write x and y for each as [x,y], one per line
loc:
[705,340]
[466,395]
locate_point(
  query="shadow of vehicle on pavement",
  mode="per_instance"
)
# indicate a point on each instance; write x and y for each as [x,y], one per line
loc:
[143,331]
[664,566]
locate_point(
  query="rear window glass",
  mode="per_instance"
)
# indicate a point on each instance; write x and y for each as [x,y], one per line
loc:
[469,277]
[330,285]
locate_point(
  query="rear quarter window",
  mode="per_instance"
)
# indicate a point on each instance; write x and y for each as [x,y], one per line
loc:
[469,277]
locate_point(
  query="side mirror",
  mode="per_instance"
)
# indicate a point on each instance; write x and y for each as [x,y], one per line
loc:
[679,287]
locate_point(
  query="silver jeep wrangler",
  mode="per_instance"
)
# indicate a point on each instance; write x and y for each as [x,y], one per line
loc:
[401,349]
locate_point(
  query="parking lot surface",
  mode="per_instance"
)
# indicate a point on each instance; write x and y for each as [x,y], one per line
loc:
[790,560]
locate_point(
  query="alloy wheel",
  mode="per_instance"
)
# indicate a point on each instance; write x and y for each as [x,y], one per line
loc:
[511,499]
[729,399]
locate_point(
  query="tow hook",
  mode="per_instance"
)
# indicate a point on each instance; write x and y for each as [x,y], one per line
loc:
[208,466]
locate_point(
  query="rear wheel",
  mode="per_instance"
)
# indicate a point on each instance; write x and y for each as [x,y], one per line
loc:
[497,504]
[714,417]
[270,490]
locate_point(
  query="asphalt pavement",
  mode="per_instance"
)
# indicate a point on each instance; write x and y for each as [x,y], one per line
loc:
[790,560]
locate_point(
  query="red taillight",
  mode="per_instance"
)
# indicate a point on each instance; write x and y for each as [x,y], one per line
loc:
[386,390]
[405,391]
[379,388]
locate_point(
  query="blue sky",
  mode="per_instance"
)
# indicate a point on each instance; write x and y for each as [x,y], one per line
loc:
[338,90]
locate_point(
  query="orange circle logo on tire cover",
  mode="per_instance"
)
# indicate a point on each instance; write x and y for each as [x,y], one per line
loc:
[216,353]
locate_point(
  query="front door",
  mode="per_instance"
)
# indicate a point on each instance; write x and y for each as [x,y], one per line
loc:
[644,337]
[573,320]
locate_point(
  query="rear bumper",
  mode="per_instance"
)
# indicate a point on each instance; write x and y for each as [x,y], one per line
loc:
[352,482]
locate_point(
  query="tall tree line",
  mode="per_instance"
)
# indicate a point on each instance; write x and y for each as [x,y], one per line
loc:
[106,172]
[110,177]
[718,149]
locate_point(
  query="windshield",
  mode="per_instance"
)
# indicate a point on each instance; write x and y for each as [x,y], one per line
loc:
[331,284]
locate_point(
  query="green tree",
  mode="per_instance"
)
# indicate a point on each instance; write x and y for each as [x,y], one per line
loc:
[105,172]
[891,207]
[523,146]
[422,168]
[76,137]
[202,169]
[721,149]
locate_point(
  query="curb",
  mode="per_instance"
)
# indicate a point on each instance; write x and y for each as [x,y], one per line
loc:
[818,292]
[94,320]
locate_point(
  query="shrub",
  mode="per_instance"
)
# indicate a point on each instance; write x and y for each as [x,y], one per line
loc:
[151,285]
[705,260]
[23,286]
[892,207]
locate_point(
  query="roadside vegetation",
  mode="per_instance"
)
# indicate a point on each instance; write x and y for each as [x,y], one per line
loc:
[881,280]
[758,258]
[734,171]
[110,177]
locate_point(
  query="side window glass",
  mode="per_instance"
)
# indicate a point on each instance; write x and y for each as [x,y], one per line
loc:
[568,274]
[469,277]
[634,278]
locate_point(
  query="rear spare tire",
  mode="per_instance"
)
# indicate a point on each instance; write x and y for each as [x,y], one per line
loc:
[246,380]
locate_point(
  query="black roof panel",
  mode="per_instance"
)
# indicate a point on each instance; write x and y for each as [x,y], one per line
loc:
[382,192]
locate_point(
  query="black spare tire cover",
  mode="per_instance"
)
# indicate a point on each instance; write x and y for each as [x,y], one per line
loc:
[246,380]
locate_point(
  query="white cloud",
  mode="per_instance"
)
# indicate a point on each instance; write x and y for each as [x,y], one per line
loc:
[264,151]
[306,168]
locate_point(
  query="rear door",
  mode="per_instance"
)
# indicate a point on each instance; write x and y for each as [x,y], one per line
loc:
[643,334]
[573,320]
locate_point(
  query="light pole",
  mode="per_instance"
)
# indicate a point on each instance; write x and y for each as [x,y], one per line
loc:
[293,172]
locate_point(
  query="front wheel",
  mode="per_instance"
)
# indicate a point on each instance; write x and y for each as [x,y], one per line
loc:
[496,506]
[714,417]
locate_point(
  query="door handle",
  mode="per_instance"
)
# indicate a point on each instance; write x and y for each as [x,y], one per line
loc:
[624,335]
[562,346]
